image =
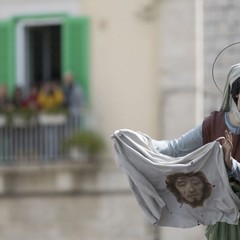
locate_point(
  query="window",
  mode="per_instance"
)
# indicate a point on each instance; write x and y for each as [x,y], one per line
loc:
[43,47]
[33,49]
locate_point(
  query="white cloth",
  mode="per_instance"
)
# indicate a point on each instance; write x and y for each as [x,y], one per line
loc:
[147,170]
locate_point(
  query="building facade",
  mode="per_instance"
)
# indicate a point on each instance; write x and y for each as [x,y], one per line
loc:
[143,65]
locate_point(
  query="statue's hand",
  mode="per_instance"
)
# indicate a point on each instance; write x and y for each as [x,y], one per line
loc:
[227,146]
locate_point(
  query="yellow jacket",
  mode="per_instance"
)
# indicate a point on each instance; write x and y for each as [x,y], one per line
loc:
[48,101]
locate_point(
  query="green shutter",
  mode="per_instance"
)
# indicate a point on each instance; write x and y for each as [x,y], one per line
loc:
[75,50]
[3,52]
[7,54]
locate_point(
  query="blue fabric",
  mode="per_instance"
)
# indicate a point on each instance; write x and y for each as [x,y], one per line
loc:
[231,127]
[187,143]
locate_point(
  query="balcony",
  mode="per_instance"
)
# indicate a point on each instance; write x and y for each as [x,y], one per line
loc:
[37,140]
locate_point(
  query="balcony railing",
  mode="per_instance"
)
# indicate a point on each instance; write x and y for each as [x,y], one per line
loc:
[40,140]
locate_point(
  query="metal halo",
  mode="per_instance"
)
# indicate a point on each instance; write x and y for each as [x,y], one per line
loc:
[235,43]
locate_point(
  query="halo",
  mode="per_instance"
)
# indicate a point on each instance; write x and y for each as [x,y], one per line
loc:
[232,44]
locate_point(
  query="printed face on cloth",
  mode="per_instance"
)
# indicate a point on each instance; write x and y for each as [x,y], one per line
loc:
[192,188]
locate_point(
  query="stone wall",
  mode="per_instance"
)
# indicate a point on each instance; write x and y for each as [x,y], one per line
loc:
[177,67]
[221,21]
[68,202]
[75,201]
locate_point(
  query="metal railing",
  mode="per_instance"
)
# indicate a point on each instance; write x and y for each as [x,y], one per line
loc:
[40,141]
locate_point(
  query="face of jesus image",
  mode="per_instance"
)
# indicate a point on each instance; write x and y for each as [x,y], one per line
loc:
[191,188]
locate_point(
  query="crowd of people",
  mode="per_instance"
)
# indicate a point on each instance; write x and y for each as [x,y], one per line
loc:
[50,95]
[64,96]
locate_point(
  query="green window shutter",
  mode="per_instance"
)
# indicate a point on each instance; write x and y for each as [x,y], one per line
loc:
[7,54]
[75,50]
[4,52]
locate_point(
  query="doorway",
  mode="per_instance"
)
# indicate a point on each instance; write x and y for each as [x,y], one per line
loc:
[43,58]
[38,52]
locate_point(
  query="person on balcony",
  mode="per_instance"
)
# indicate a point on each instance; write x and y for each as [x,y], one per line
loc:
[5,103]
[17,98]
[50,100]
[73,95]
[50,96]
[31,100]
[73,101]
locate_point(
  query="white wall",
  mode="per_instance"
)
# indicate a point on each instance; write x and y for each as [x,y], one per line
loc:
[12,8]
[124,84]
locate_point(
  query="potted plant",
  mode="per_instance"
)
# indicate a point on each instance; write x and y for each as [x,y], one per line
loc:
[4,118]
[84,145]
[53,116]
[22,116]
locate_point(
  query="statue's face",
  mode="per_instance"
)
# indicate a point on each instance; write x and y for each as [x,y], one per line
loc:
[190,188]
